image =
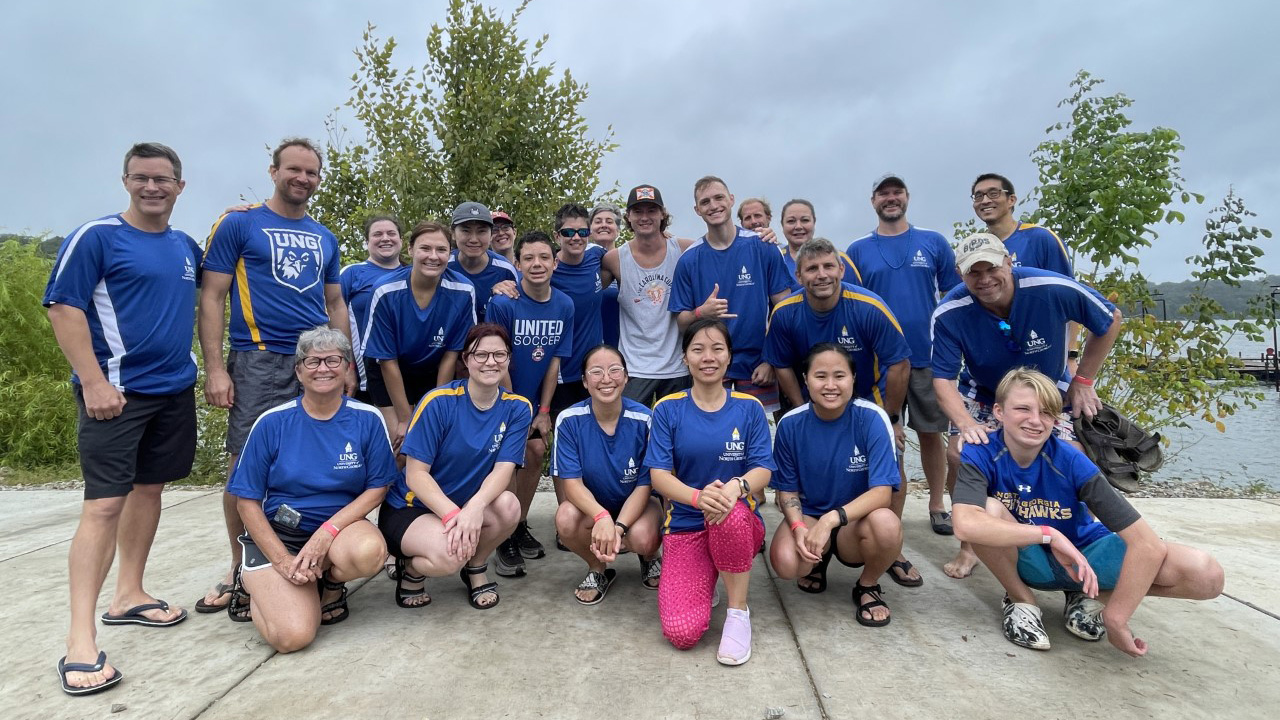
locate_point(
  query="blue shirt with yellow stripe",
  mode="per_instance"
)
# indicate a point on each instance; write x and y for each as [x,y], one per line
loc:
[851,273]
[280,267]
[861,323]
[462,443]
[700,447]
[1038,247]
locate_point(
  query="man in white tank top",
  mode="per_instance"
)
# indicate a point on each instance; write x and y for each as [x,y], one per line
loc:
[648,335]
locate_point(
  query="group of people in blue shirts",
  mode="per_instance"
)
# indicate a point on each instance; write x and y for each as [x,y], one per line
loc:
[432,391]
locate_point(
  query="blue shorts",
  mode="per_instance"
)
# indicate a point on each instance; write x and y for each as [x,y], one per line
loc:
[1040,570]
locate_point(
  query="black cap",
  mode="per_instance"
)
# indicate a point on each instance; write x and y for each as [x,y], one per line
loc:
[644,194]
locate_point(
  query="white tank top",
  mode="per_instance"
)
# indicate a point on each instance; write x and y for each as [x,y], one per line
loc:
[648,334]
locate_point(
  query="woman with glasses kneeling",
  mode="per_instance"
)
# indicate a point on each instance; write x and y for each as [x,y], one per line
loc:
[708,451]
[599,459]
[452,507]
[311,470]
[836,474]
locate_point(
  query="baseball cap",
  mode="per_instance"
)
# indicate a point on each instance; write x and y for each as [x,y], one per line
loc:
[888,177]
[502,215]
[471,211]
[644,194]
[980,247]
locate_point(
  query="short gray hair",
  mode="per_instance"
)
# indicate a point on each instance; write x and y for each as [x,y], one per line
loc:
[816,246]
[322,338]
[606,207]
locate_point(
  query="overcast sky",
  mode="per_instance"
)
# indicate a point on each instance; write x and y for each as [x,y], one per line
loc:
[796,99]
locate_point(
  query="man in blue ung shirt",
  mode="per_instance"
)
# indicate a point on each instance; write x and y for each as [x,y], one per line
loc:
[285,268]
[1027,501]
[1001,318]
[121,299]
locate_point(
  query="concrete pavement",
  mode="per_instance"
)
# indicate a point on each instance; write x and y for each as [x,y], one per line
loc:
[541,655]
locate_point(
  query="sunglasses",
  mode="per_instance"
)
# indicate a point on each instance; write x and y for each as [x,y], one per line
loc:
[1010,344]
[570,232]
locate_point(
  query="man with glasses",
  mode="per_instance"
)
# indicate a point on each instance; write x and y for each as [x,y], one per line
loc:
[286,271]
[1004,317]
[504,236]
[121,298]
[484,268]
[540,322]
[1029,245]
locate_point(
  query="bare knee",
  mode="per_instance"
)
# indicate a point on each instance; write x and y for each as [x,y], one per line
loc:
[102,510]
[644,539]
[506,509]
[1208,578]
[290,637]
[367,554]
[568,518]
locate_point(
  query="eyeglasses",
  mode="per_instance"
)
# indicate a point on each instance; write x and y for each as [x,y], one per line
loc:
[161,181]
[570,232]
[1010,344]
[615,371]
[498,356]
[312,362]
[992,194]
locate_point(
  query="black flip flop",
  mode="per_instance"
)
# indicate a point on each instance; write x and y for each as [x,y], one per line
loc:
[134,616]
[206,608]
[65,667]
[906,567]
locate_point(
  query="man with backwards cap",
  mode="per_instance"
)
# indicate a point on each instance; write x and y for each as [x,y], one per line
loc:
[649,336]
[504,235]
[909,267]
[474,260]
[1004,317]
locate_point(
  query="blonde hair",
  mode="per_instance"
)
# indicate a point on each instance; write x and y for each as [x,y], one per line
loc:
[1039,383]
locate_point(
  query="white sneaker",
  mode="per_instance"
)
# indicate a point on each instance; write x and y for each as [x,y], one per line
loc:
[1084,617]
[1023,626]
[735,639]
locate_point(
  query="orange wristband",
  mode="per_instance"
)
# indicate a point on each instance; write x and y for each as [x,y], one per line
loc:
[696,493]
[796,524]
[601,515]
[330,528]
[450,515]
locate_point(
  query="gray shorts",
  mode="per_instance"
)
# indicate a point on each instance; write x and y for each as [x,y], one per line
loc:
[923,413]
[650,390]
[262,380]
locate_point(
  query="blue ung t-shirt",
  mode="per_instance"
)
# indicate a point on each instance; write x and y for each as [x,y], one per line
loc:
[610,466]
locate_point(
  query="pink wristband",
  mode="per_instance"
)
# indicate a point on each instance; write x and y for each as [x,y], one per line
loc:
[696,493]
[330,528]
[601,515]
[796,524]
[1087,382]
[450,515]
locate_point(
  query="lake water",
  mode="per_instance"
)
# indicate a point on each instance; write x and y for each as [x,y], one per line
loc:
[1248,452]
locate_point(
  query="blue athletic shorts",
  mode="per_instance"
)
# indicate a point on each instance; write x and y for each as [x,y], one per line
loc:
[1040,570]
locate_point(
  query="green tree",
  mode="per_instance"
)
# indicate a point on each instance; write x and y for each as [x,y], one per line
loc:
[1105,187]
[480,120]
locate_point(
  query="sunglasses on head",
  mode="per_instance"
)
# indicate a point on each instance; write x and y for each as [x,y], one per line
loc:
[570,232]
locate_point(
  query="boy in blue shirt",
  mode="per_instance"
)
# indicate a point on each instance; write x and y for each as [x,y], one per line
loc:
[540,322]
[121,299]
[482,267]
[1027,501]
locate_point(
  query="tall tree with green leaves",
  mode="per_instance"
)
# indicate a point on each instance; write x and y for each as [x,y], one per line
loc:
[480,120]
[1106,188]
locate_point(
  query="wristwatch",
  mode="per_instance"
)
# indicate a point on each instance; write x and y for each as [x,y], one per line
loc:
[894,418]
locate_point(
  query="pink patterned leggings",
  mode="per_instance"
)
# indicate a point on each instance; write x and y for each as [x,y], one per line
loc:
[690,564]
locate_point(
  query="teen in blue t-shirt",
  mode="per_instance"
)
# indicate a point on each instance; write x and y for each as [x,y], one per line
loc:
[541,331]
[281,266]
[138,293]
[496,270]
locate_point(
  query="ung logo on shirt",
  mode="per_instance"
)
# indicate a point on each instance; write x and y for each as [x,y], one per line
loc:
[188,269]
[919,260]
[629,474]
[497,438]
[438,340]
[296,258]
[1035,343]
[734,448]
[744,277]
[348,459]
[1013,257]
[857,461]
[847,341]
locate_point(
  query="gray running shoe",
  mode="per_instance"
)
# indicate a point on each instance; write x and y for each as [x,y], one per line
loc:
[1023,626]
[1084,617]
[507,560]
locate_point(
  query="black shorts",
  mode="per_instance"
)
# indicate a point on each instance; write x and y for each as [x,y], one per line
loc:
[395,522]
[418,381]
[153,440]
[255,559]
[566,394]
[650,390]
